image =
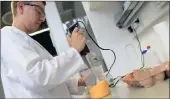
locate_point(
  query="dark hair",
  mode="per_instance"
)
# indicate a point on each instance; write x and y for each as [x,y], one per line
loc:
[44,2]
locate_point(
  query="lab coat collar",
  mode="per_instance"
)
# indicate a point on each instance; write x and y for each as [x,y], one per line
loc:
[16,30]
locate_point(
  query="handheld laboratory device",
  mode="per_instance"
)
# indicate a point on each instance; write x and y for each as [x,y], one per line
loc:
[101,88]
[86,49]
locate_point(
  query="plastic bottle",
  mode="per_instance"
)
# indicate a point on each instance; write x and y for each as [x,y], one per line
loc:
[151,57]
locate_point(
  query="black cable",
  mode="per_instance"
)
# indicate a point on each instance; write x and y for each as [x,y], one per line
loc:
[113,85]
[100,47]
[114,53]
[117,77]
[142,56]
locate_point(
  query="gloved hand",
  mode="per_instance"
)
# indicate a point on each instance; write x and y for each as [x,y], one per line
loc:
[166,64]
[81,82]
[89,77]
[131,81]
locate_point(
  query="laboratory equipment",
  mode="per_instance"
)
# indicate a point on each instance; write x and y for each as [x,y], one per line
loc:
[96,81]
[100,90]
[129,11]
[89,77]
[94,76]
[86,49]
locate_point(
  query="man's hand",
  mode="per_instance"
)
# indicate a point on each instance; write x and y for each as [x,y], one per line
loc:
[81,82]
[77,40]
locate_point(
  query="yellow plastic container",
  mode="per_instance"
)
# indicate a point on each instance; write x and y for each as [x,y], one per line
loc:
[100,90]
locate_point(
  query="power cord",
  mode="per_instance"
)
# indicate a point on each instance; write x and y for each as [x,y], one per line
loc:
[142,56]
[100,48]
[113,85]
[136,36]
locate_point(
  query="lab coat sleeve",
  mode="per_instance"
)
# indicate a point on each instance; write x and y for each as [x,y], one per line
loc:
[38,74]
[72,85]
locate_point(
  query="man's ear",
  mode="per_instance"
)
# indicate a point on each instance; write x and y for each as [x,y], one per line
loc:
[20,7]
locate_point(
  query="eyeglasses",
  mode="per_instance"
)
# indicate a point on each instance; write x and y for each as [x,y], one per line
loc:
[41,13]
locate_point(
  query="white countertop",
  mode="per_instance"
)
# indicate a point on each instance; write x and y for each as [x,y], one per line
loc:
[160,90]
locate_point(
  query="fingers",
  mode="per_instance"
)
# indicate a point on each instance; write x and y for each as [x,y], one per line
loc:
[166,64]
[78,40]
[81,37]
[81,82]
[75,30]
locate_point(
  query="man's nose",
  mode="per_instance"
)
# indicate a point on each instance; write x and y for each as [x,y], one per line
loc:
[42,19]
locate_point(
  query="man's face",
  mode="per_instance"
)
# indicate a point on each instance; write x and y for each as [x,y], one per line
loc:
[33,15]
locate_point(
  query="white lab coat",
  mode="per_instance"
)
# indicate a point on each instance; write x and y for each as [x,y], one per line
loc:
[29,71]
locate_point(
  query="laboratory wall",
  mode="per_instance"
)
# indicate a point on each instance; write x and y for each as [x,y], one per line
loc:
[150,33]
[103,22]
[162,29]
[79,12]
[150,14]
[108,35]
[159,42]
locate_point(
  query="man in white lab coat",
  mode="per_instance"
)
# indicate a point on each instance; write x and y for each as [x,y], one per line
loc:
[27,69]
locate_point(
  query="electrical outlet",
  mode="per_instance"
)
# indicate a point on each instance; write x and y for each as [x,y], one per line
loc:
[135,24]
[130,29]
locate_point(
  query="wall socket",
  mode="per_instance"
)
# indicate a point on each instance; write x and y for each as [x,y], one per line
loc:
[134,25]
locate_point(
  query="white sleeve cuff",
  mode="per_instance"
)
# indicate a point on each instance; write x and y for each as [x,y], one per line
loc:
[78,55]
[73,87]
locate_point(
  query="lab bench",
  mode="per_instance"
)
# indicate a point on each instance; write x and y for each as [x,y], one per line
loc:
[160,90]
